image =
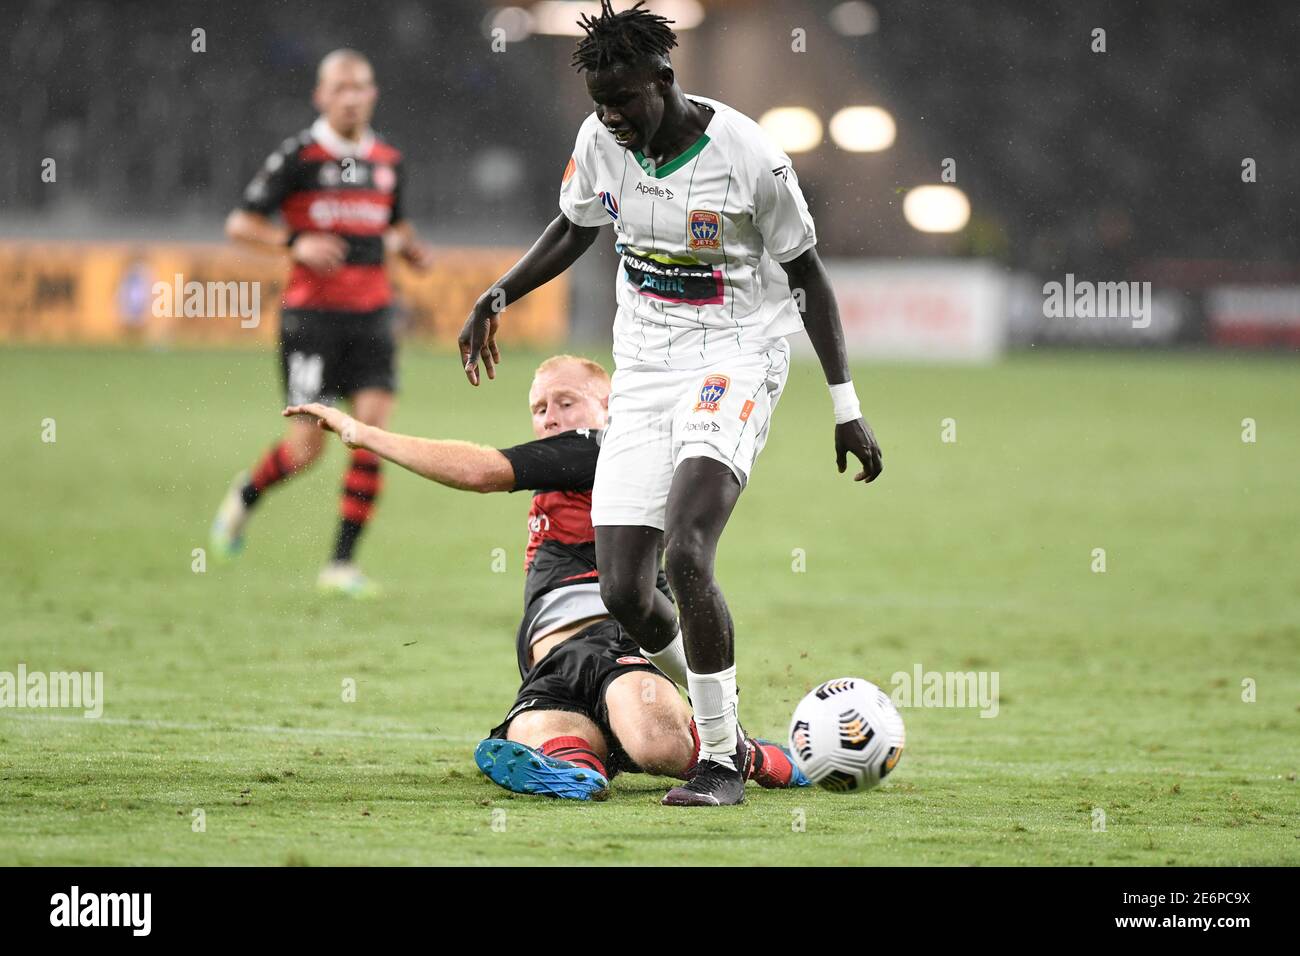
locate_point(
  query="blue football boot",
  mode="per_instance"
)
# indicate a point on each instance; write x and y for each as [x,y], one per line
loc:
[522,769]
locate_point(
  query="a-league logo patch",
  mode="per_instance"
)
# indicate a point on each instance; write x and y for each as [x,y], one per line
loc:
[704,228]
[711,392]
[611,205]
[632,660]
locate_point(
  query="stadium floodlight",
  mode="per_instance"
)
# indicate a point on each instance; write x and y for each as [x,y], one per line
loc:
[854,18]
[497,171]
[936,209]
[793,128]
[515,23]
[863,129]
[560,17]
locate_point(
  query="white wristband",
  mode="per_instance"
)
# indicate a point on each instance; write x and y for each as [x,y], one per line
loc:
[845,400]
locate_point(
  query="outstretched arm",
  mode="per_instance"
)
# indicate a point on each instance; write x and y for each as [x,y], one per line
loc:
[456,464]
[559,246]
[821,319]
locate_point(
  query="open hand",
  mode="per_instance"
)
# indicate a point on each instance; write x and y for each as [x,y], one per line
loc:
[320,251]
[478,339]
[330,419]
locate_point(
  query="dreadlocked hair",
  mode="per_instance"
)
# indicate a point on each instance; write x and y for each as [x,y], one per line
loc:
[625,37]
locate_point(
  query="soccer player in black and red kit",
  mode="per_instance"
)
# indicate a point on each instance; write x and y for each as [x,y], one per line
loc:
[589,704]
[338,189]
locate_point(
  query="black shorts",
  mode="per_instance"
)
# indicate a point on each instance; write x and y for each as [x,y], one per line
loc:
[574,677]
[325,356]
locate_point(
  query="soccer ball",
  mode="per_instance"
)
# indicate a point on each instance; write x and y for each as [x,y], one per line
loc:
[846,735]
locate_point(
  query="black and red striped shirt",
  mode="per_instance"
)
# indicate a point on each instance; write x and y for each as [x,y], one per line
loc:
[320,182]
[560,471]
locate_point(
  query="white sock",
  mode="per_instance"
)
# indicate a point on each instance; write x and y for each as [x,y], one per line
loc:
[713,698]
[671,660]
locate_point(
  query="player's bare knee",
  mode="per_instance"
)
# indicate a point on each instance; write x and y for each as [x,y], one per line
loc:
[305,444]
[651,722]
[373,407]
[688,559]
[659,744]
[629,599]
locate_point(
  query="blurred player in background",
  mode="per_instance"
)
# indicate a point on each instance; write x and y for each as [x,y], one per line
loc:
[589,704]
[714,233]
[338,189]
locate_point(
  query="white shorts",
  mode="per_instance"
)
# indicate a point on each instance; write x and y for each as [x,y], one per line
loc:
[660,417]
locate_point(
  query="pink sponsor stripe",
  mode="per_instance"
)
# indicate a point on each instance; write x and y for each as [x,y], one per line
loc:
[716,299]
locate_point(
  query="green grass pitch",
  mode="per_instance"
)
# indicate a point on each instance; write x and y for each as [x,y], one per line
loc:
[1121,692]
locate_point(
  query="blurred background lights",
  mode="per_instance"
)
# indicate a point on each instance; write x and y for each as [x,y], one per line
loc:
[854,19]
[793,128]
[560,17]
[863,129]
[497,172]
[936,209]
[515,23]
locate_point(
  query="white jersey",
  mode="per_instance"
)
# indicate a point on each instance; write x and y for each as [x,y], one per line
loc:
[700,239]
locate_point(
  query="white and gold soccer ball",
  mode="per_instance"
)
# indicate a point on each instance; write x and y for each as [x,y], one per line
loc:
[846,735]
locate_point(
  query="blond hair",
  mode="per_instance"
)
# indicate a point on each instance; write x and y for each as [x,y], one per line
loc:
[594,369]
[341,55]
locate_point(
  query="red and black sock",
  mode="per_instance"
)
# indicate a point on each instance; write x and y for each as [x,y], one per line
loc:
[361,486]
[275,466]
[575,750]
[695,749]
[770,767]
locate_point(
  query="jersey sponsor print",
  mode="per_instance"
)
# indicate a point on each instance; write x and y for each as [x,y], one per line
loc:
[700,238]
[319,182]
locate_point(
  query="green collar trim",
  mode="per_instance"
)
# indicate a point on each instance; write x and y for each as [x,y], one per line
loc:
[668,168]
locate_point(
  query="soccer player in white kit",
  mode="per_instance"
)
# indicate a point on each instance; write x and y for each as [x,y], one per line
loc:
[714,235]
